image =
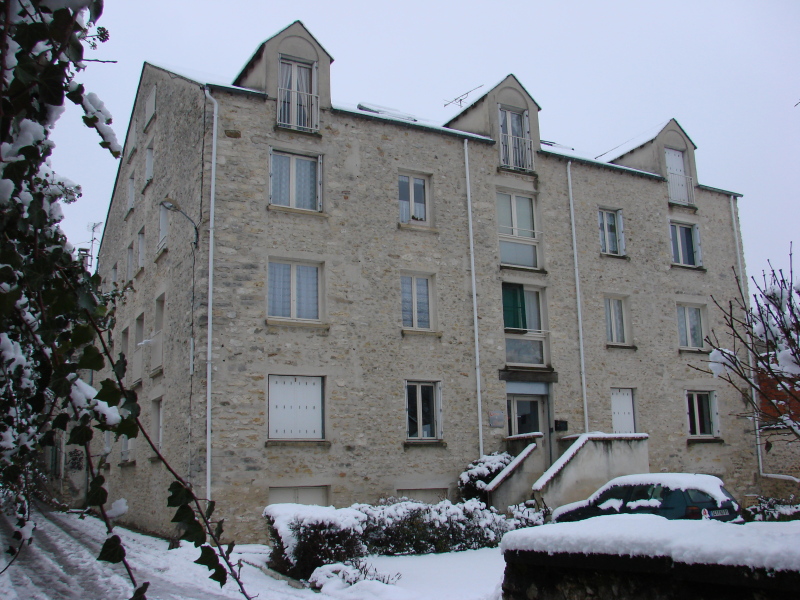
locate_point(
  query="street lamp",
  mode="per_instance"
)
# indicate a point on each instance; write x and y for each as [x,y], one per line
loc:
[171,205]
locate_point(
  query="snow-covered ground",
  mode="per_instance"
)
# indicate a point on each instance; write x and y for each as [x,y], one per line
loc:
[61,564]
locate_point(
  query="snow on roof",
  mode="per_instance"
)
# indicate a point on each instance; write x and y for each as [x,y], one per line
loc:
[486,93]
[388,114]
[567,152]
[633,143]
[198,76]
[689,542]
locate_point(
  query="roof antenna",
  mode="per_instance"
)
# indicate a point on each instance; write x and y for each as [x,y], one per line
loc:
[93,228]
[460,99]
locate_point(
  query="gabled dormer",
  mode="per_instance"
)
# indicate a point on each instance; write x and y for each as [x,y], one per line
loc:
[509,114]
[293,68]
[665,150]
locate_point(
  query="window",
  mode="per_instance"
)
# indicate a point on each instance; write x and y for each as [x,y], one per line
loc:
[310,495]
[150,107]
[622,416]
[298,104]
[141,247]
[702,411]
[422,407]
[126,448]
[157,423]
[139,342]
[690,326]
[293,291]
[611,239]
[131,192]
[516,150]
[129,264]
[680,186]
[157,343]
[148,165]
[416,304]
[522,317]
[523,413]
[123,342]
[163,225]
[295,181]
[132,137]
[413,199]
[516,226]
[685,244]
[615,320]
[295,407]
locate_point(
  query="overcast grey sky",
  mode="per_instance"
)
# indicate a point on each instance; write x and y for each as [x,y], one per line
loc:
[602,72]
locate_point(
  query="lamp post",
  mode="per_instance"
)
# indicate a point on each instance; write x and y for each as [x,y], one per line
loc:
[173,207]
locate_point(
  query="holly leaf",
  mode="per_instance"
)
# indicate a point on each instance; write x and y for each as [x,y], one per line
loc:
[112,550]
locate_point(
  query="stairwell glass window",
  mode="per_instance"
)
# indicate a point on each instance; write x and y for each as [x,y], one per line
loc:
[690,326]
[416,301]
[610,225]
[293,290]
[295,407]
[298,102]
[516,150]
[702,414]
[685,239]
[526,337]
[295,181]
[519,242]
[523,413]
[422,408]
[616,320]
[413,199]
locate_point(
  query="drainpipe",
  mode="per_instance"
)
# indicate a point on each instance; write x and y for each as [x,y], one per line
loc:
[753,392]
[210,289]
[578,298]
[474,301]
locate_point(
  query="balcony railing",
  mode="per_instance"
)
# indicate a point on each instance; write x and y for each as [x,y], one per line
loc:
[527,348]
[681,188]
[516,152]
[298,110]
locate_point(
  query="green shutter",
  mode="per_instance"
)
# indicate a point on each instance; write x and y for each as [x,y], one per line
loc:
[514,306]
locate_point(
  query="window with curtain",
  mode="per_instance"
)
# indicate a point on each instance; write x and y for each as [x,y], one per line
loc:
[516,150]
[690,326]
[615,320]
[293,291]
[519,244]
[685,244]
[422,408]
[415,293]
[294,181]
[702,414]
[413,201]
[610,225]
[297,101]
[526,338]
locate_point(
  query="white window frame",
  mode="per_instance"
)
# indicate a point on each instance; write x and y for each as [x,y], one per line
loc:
[163,225]
[415,309]
[605,234]
[515,335]
[131,192]
[150,107]
[157,423]
[513,422]
[293,299]
[276,406]
[683,259]
[149,160]
[693,414]
[691,344]
[413,216]
[437,410]
[516,152]
[157,338]
[126,449]
[132,139]
[293,158]
[141,247]
[291,97]
[515,237]
[616,335]
[129,267]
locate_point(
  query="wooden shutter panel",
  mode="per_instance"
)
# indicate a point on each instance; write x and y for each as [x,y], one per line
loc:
[269,193]
[319,183]
[514,306]
[714,409]
[698,249]
[620,234]
[295,407]
[528,142]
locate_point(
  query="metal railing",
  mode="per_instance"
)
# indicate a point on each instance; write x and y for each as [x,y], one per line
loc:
[681,188]
[298,110]
[516,152]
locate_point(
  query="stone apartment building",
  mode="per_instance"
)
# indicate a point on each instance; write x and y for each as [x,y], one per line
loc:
[333,304]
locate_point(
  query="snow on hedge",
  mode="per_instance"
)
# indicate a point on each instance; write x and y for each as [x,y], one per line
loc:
[773,546]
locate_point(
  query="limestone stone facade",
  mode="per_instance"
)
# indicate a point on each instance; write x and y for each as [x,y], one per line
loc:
[334,271]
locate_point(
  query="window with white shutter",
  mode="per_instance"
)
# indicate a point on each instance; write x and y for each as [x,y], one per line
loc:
[295,407]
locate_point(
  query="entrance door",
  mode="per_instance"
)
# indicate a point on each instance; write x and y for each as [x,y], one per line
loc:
[622,410]
[676,176]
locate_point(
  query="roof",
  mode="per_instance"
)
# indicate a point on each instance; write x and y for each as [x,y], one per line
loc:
[639,140]
[572,154]
[481,97]
[260,49]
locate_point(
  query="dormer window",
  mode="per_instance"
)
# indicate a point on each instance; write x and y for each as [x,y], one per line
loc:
[681,186]
[298,103]
[516,151]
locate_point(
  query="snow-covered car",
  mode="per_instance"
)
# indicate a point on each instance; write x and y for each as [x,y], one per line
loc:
[670,495]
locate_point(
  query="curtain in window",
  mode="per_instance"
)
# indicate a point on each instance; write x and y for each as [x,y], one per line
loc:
[306,184]
[419,199]
[411,401]
[281,168]
[428,405]
[307,292]
[524,226]
[404,196]
[280,290]
[533,315]
[687,244]
[285,94]
[695,327]
[423,304]
[504,219]
[407,299]
[303,96]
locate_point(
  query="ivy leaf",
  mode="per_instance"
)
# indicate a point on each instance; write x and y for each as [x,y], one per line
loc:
[210,508]
[82,334]
[120,366]
[112,550]
[109,392]
[184,515]
[139,594]
[208,558]
[220,575]
[178,494]
[194,533]
[97,495]
[229,549]
[80,435]
[218,529]
[61,421]
[91,359]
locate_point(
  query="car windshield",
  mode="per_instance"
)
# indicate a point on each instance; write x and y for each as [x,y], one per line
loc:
[614,493]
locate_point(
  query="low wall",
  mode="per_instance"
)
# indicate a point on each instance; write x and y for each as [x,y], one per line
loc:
[531,575]
[513,484]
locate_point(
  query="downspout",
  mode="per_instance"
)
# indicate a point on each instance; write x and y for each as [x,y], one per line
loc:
[578,298]
[474,301]
[210,289]
[753,392]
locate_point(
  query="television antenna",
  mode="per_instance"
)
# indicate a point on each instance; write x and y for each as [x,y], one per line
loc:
[92,227]
[460,99]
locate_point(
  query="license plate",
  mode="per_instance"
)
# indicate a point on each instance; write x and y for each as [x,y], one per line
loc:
[719,513]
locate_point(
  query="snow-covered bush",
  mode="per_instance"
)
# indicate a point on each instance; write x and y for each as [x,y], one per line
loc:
[773,509]
[528,514]
[472,482]
[341,575]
